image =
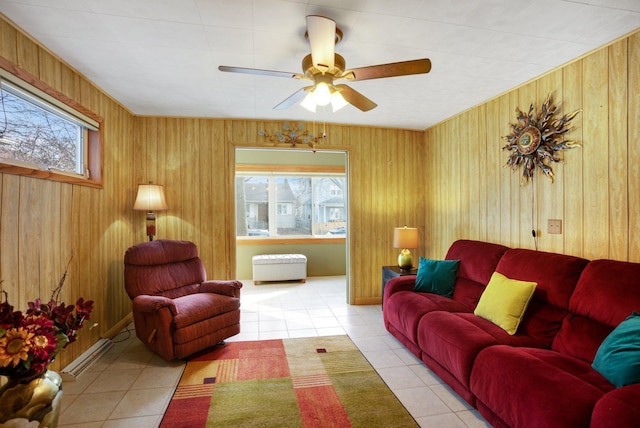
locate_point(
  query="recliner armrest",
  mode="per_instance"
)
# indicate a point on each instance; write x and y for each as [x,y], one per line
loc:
[617,408]
[399,283]
[146,303]
[226,287]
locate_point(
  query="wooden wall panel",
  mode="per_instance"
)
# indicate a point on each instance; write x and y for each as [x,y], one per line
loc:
[596,149]
[633,144]
[596,188]
[573,183]
[618,150]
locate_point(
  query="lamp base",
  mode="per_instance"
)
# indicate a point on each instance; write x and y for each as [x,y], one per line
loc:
[151,225]
[405,261]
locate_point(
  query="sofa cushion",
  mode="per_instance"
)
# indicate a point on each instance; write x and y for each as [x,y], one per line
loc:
[478,261]
[504,301]
[618,358]
[607,292]
[617,408]
[163,268]
[530,387]
[556,276]
[436,276]
[452,341]
[194,308]
[404,310]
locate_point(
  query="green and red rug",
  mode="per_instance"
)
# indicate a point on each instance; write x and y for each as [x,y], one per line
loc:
[307,382]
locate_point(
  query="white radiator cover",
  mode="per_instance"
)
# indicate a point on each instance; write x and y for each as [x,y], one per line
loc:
[84,361]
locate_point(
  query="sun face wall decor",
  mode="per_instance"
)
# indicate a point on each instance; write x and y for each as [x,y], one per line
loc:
[537,138]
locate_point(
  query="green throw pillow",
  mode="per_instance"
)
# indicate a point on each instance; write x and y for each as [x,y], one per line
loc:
[618,357]
[436,276]
[504,301]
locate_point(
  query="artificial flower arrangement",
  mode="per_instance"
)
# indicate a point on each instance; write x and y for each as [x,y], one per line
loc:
[30,341]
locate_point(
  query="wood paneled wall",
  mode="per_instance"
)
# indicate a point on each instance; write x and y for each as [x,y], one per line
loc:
[194,159]
[596,192]
[42,223]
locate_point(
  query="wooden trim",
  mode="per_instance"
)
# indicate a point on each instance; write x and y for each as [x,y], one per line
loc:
[27,77]
[368,300]
[120,325]
[94,145]
[331,169]
[288,241]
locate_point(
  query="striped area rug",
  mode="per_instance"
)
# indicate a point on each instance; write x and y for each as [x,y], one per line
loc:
[307,382]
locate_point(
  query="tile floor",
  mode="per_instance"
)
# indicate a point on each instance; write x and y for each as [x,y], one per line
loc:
[131,387]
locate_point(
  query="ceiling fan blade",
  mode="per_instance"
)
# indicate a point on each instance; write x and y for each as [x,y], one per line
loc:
[403,68]
[322,38]
[355,98]
[293,98]
[260,72]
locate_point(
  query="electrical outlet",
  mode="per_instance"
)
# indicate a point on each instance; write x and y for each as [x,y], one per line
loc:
[554,227]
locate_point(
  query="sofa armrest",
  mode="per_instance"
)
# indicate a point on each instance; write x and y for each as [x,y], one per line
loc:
[228,288]
[617,408]
[148,304]
[399,283]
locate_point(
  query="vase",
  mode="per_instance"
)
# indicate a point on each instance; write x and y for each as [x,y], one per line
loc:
[31,401]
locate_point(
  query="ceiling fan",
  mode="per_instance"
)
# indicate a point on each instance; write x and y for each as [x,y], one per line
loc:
[323,66]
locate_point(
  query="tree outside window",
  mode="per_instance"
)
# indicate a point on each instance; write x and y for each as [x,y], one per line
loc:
[35,134]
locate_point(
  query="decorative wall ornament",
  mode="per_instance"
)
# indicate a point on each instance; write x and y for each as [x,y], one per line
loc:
[537,138]
[293,136]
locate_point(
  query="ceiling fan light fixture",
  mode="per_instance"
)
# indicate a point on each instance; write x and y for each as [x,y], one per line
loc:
[322,94]
[309,103]
[337,101]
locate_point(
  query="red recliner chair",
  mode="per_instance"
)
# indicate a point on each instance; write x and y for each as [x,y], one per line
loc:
[176,310]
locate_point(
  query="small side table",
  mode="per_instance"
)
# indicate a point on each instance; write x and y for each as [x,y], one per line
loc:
[389,272]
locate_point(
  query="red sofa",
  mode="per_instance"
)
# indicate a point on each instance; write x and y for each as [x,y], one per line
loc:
[542,375]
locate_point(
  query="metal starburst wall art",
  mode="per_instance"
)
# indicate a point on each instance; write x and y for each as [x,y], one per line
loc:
[293,136]
[537,138]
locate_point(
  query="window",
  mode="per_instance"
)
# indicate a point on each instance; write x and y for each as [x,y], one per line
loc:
[280,205]
[43,137]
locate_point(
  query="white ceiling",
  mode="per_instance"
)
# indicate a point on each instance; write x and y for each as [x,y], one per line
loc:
[161,57]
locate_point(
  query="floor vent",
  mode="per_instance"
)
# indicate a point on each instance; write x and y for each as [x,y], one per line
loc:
[84,361]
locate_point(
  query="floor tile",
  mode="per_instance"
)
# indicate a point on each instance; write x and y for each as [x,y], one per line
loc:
[421,401]
[143,402]
[91,407]
[448,420]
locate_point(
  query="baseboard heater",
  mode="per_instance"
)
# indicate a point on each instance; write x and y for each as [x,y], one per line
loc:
[84,361]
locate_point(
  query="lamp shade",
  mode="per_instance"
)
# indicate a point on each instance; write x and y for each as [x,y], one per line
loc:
[405,237]
[150,198]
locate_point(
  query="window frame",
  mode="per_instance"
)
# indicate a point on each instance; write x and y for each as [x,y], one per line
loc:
[93,146]
[276,170]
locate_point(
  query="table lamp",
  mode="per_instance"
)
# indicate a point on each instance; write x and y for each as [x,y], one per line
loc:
[405,238]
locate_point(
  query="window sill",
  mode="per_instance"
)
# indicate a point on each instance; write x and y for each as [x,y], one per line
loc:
[9,168]
[244,240]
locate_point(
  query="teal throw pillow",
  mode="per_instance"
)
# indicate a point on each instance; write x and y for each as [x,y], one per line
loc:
[618,357]
[436,276]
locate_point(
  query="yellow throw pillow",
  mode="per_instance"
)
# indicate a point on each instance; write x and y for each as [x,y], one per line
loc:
[504,301]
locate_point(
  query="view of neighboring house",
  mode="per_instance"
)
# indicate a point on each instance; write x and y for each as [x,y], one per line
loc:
[301,206]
